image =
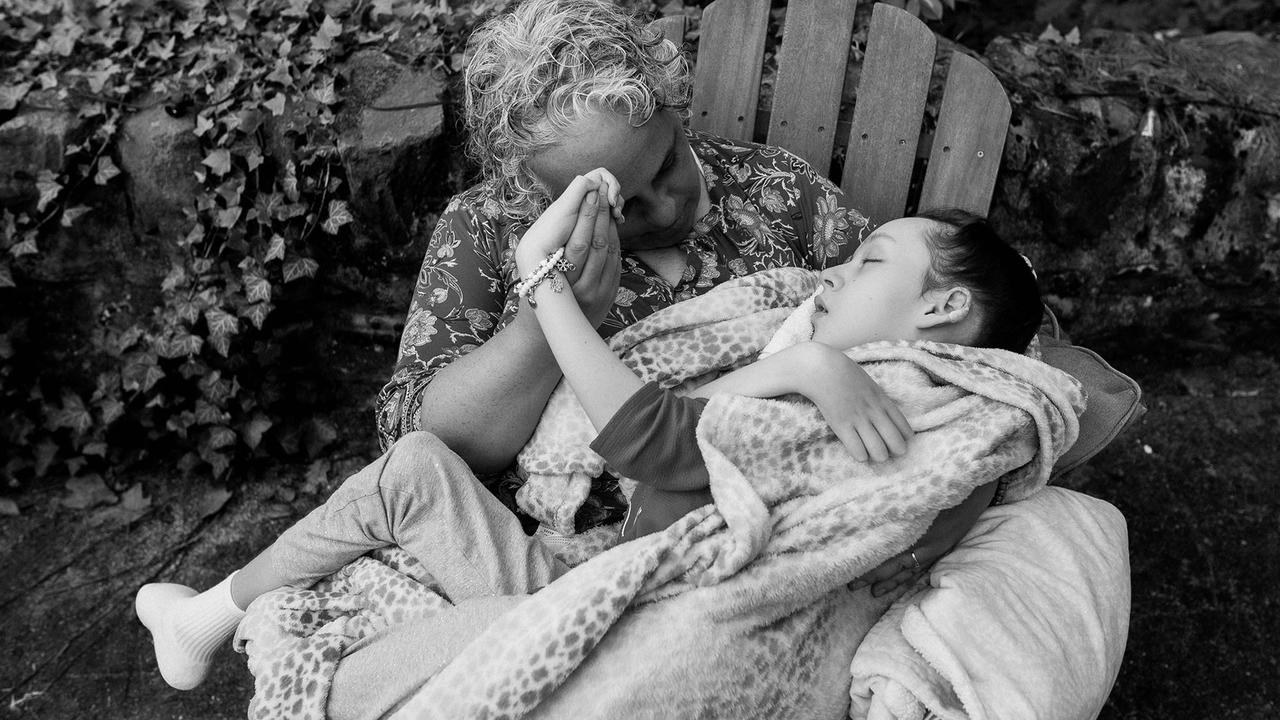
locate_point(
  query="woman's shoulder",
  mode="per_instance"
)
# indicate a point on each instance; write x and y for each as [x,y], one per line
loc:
[723,151]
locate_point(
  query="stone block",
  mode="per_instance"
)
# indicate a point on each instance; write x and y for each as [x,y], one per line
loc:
[33,140]
[159,154]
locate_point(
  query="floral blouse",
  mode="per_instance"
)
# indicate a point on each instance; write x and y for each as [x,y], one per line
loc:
[768,209]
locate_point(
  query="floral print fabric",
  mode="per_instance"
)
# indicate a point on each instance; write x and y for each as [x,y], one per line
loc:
[769,209]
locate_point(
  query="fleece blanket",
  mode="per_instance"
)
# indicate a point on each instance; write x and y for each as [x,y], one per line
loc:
[741,608]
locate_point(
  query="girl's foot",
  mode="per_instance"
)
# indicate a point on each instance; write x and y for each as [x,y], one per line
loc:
[187,627]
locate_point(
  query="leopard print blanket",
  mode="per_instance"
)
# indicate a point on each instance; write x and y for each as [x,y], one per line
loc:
[740,609]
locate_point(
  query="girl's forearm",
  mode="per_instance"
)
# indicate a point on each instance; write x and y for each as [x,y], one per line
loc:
[600,380]
[790,371]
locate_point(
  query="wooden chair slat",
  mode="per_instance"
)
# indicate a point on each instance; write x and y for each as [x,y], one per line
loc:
[726,83]
[811,71]
[885,130]
[972,126]
[671,27]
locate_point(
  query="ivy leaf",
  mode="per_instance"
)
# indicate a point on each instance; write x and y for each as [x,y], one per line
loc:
[219,161]
[220,436]
[73,414]
[221,323]
[275,250]
[212,501]
[228,217]
[381,7]
[204,124]
[252,431]
[257,288]
[300,268]
[177,275]
[71,214]
[339,215]
[44,454]
[6,276]
[257,313]
[11,95]
[323,92]
[106,170]
[289,183]
[324,37]
[221,344]
[9,508]
[209,414]
[49,187]
[113,409]
[184,344]
[161,52]
[26,247]
[253,158]
[275,104]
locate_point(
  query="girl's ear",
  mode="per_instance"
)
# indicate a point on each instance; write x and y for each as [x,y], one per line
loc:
[945,307]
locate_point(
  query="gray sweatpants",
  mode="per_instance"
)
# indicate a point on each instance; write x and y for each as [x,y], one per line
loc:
[422,497]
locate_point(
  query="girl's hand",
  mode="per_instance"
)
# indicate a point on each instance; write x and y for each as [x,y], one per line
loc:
[859,412]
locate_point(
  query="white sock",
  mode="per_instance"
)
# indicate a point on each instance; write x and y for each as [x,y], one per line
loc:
[187,627]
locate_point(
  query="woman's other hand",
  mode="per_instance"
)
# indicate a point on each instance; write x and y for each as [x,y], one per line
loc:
[582,221]
[862,416]
[947,530]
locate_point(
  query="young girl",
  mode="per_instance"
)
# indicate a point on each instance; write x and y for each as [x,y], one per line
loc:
[944,277]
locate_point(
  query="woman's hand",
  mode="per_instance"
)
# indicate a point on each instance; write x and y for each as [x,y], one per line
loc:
[859,412]
[947,530]
[582,221]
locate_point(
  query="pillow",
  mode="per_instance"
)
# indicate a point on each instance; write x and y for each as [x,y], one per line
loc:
[1028,617]
[1114,399]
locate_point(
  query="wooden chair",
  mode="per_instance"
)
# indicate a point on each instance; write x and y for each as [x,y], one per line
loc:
[883,139]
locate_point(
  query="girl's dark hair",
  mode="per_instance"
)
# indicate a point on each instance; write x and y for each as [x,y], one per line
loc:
[967,252]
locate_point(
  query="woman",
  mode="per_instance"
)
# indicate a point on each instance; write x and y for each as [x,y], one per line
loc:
[698,210]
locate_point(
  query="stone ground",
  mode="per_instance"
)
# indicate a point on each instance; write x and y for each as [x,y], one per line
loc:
[1197,478]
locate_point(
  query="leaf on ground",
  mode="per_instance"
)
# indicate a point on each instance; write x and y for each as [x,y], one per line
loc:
[219,161]
[133,505]
[88,491]
[9,507]
[317,476]
[320,434]
[212,501]
[11,95]
[329,29]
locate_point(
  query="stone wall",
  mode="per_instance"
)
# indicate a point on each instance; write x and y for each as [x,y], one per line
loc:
[1142,177]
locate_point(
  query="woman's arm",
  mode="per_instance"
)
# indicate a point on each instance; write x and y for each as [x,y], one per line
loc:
[492,386]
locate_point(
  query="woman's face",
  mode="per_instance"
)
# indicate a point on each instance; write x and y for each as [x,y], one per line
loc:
[876,295]
[660,180]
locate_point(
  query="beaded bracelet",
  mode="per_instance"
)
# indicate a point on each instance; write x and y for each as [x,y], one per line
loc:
[555,261]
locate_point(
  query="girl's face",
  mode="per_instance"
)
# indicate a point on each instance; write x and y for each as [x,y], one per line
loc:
[877,294]
[655,167]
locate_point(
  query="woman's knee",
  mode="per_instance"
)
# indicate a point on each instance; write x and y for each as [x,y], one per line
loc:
[421,459]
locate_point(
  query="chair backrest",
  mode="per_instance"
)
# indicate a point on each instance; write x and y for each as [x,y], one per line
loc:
[884,137]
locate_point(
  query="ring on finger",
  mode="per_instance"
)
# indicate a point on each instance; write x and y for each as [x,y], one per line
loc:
[915,560]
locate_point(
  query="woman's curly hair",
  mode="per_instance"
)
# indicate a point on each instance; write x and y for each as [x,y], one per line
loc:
[537,68]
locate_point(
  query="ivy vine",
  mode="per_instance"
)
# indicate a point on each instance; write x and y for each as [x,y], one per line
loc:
[190,369]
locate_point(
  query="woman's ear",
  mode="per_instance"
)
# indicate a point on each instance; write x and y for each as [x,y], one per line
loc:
[945,307]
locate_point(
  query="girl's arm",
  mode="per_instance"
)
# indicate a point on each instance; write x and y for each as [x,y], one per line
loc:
[599,379]
[859,412]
